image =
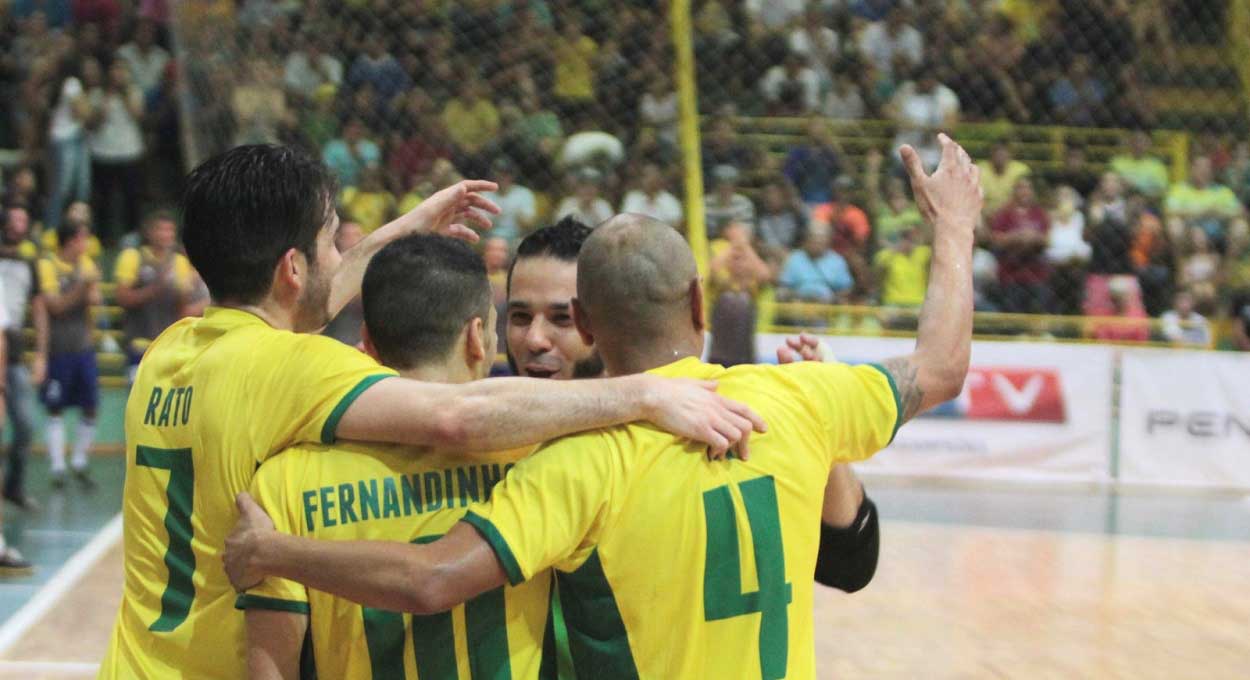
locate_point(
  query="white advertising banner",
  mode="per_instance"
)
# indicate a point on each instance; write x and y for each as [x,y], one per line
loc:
[1028,411]
[1185,418]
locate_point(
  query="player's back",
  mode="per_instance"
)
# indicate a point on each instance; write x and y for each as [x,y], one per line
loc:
[356,492]
[671,566]
[212,399]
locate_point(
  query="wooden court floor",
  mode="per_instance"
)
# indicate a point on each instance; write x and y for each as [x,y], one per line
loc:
[948,601]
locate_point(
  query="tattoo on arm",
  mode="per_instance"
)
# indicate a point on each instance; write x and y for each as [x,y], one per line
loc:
[910,395]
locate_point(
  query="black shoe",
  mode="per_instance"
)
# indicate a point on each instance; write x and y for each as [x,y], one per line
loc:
[58,480]
[13,564]
[84,480]
[22,501]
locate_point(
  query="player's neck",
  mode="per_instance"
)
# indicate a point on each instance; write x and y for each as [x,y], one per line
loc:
[631,360]
[268,311]
[437,373]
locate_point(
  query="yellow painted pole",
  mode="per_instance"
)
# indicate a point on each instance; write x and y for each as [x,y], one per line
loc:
[688,119]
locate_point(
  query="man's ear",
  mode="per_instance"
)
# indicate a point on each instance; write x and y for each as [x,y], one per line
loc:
[366,344]
[475,340]
[696,305]
[290,273]
[582,321]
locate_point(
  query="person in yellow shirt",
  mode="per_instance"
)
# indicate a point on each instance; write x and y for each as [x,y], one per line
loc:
[215,397]
[903,269]
[472,123]
[999,175]
[51,241]
[70,283]
[574,54]
[595,518]
[369,204]
[154,281]
[416,292]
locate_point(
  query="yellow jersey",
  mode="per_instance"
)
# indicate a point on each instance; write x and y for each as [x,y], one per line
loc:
[213,398]
[357,492]
[672,566]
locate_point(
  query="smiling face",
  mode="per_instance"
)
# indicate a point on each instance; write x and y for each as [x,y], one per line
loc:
[542,339]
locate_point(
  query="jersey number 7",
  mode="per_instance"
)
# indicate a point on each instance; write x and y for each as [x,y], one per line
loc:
[179,559]
[722,572]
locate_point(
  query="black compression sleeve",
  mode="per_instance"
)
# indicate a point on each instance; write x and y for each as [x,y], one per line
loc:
[848,557]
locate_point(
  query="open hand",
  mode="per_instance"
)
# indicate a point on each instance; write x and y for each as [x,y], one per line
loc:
[803,348]
[457,210]
[951,198]
[244,541]
[692,409]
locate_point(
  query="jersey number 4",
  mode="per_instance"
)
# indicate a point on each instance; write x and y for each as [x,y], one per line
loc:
[433,640]
[722,576]
[179,559]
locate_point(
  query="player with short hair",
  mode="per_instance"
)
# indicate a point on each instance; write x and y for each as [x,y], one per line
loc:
[69,281]
[640,535]
[428,315]
[215,397]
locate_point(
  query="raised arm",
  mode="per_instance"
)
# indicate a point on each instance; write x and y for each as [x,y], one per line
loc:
[950,200]
[503,413]
[443,213]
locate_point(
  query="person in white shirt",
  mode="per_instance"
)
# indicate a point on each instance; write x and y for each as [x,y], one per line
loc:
[585,205]
[817,42]
[792,87]
[725,205]
[516,203]
[310,68]
[652,200]
[1183,324]
[145,59]
[116,145]
[883,42]
[1067,250]
[67,135]
[921,108]
[657,108]
[844,101]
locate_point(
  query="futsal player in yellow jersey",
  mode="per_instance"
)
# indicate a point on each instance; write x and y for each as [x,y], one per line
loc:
[382,492]
[215,397]
[669,566]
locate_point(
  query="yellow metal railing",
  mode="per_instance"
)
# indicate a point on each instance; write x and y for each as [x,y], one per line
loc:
[688,117]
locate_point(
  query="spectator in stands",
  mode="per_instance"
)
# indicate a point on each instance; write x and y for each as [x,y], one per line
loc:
[721,147]
[1183,324]
[19,283]
[653,200]
[1019,233]
[258,102]
[496,256]
[348,155]
[999,176]
[1201,202]
[116,145]
[419,141]
[657,108]
[1200,268]
[69,282]
[145,59]
[791,88]
[472,121]
[534,139]
[896,212]
[310,68]
[921,108]
[1067,251]
[67,136]
[23,191]
[816,41]
[368,202]
[379,69]
[815,273]
[902,268]
[844,101]
[346,326]
[586,205]
[1154,261]
[738,274]
[1140,170]
[1109,230]
[1133,328]
[517,202]
[591,146]
[574,55]
[1076,172]
[1079,97]
[775,14]
[153,283]
[724,204]
[890,42]
[813,166]
[850,227]
[782,221]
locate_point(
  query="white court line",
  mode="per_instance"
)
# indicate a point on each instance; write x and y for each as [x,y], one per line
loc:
[59,667]
[75,568]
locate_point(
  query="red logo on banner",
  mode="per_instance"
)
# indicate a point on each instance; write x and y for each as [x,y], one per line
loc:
[1020,394]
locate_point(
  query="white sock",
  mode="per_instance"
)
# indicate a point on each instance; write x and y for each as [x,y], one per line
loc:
[82,444]
[56,443]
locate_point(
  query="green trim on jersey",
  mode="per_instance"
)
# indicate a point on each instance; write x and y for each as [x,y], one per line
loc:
[273,604]
[329,431]
[498,544]
[898,401]
[598,641]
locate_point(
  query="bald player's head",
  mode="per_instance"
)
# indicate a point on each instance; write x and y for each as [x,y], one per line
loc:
[638,293]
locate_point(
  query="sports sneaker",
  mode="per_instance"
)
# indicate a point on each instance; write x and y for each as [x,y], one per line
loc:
[84,480]
[13,564]
[22,501]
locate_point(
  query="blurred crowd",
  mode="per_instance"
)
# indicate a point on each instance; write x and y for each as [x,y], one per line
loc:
[570,105]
